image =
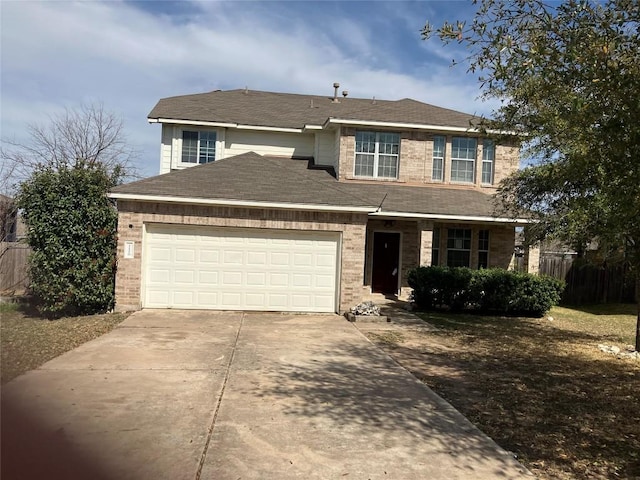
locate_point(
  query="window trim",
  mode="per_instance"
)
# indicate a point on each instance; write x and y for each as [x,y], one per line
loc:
[178,134]
[484,250]
[473,161]
[440,158]
[376,155]
[488,161]
[468,250]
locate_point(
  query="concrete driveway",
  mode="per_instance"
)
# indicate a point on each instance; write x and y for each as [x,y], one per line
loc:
[220,395]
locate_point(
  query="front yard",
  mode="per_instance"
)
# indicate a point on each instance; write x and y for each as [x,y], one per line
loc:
[27,341]
[541,388]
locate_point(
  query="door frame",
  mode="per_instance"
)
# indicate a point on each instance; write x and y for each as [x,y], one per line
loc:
[400,241]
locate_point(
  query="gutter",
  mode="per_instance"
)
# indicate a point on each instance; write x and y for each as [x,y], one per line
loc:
[238,126]
[372,211]
[238,203]
[415,126]
[458,218]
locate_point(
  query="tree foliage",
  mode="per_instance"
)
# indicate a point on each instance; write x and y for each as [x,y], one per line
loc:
[72,231]
[568,77]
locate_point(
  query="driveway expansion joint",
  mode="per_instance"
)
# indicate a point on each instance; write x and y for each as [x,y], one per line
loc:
[219,402]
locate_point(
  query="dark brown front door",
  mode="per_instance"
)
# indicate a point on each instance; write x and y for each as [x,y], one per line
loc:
[386,262]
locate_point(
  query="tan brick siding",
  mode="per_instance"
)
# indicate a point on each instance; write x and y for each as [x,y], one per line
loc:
[501,243]
[133,215]
[416,159]
[416,245]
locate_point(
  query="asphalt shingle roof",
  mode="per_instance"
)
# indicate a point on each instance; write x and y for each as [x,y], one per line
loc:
[256,178]
[286,110]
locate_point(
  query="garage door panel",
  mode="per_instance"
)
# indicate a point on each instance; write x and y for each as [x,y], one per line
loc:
[209,256]
[187,255]
[244,269]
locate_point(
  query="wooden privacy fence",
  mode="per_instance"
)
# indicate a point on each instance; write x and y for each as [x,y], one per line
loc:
[588,283]
[13,267]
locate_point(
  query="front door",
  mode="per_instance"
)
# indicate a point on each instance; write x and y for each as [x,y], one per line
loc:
[386,262]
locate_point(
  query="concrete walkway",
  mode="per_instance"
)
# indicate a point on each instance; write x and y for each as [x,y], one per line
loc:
[219,395]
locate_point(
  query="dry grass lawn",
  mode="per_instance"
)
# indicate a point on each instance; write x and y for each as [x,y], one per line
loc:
[540,388]
[27,341]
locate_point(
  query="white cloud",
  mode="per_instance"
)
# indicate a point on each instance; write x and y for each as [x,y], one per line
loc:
[57,54]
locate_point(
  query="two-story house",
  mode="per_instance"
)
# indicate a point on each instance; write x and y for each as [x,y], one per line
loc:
[283,202]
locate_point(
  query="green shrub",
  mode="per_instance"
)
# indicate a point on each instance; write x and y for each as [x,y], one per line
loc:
[487,291]
[71,228]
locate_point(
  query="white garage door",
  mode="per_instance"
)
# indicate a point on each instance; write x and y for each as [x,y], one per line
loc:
[240,269]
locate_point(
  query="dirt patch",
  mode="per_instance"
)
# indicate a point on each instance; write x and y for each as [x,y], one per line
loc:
[28,341]
[540,388]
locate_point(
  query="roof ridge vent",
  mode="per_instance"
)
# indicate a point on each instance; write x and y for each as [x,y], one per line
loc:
[246,90]
[373,102]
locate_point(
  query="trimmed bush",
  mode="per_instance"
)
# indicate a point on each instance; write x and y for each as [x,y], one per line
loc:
[487,291]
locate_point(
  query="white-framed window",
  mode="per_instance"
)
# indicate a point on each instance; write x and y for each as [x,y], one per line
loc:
[458,247]
[463,159]
[488,158]
[198,146]
[377,154]
[483,248]
[437,170]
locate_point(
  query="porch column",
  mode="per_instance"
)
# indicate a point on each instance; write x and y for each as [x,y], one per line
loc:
[532,258]
[425,230]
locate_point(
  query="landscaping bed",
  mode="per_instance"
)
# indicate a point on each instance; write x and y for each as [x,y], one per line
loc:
[541,388]
[27,341]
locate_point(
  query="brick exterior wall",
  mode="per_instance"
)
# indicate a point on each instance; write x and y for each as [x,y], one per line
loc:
[501,243]
[416,160]
[133,215]
[416,245]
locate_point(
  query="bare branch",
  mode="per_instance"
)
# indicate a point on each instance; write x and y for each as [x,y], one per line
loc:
[84,137]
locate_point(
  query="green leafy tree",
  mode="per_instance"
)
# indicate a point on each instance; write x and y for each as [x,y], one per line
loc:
[568,76]
[72,231]
[66,167]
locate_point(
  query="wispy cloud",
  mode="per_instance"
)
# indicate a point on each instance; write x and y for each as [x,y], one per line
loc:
[128,55]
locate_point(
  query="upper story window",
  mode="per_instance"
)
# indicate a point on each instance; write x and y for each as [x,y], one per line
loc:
[377,154]
[463,159]
[198,146]
[437,171]
[488,158]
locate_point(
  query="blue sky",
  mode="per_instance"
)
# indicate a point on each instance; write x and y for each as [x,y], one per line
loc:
[129,54]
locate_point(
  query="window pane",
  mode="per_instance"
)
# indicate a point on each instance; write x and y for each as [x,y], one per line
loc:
[458,258]
[207,147]
[458,247]
[190,147]
[488,157]
[365,142]
[388,166]
[462,170]
[483,240]
[438,158]
[377,154]
[364,165]
[483,259]
[463,156]
[435,247]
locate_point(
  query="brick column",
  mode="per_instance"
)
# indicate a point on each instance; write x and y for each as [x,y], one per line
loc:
[426,242]
[532,258]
